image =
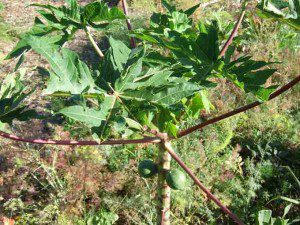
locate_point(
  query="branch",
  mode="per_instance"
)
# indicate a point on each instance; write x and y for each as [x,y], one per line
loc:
[167,146]
[129,26]
[239,110]
[233,33]
[78,143]
[94,44]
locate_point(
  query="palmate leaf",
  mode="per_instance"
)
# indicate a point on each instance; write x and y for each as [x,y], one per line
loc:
[197,103]
[134,84]
[22,46]
[172,20]
[114,62]
[41,29]
[65,21]
[96,12]
[165,96]
[64,32]
[12,96]
[63,14]
[179,22]
[196,52]
[68,73]
[196,55]
[156,85]
[284,11]
[132,70]
[207,42]
[90,117]
[176,21]
[249,75]
[154,77]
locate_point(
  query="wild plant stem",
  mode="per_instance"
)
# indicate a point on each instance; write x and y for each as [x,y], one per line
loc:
[163,190]
[93,42]
[233,33]
[145,140]
[129,26]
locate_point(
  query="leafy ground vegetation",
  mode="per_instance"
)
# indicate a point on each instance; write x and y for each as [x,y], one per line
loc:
[250,161]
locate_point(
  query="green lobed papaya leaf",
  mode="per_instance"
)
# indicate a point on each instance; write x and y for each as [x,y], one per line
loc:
[97,120]
[197,103]
[65,21]
[195,52]
[283,11]
[249,75]
[132,70]
[96,12]
[89,116]
[114,61]
[68,73]
[207,42]
[165,96]
[136,87]
[12,96]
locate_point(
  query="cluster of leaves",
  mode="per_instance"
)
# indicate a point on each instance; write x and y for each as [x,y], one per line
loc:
[197,50]
[134,88]
[282,10]
[12,96]
[59,24]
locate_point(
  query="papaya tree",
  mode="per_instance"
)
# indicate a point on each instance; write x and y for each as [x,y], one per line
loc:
[139,94]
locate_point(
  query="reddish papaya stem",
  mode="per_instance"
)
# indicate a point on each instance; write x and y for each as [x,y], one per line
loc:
[233,33]
[129,26]
[81,143]
[167,146]
[239,110]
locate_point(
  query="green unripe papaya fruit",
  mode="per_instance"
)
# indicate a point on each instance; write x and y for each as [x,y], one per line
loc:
[176,179]
[147,168]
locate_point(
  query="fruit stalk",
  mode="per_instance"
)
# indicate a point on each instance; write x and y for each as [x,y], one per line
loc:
[163,189]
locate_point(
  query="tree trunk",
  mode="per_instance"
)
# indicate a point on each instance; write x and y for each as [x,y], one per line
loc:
[163,190]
